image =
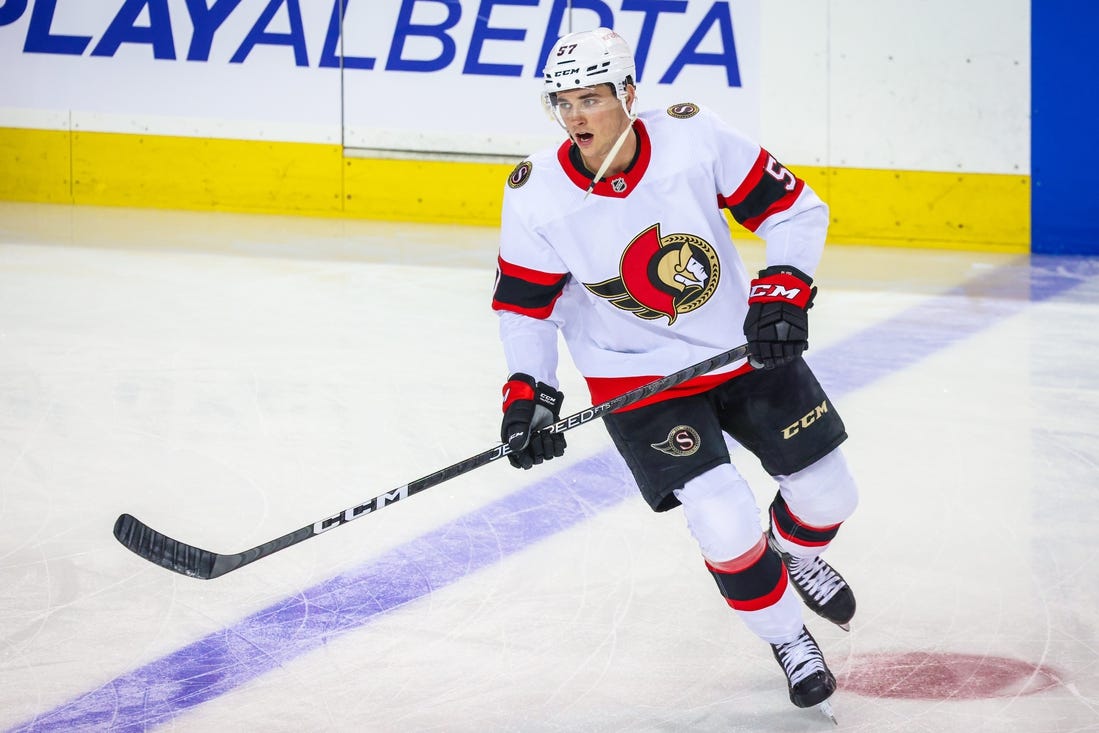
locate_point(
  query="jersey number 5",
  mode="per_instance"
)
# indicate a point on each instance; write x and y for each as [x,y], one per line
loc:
[777,171]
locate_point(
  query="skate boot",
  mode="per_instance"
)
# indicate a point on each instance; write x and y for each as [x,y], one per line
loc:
[807,676]
[822,589]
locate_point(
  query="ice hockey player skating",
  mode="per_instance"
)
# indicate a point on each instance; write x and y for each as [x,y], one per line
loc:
[618,240]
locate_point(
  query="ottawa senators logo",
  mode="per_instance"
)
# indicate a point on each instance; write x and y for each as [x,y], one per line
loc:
[683,440]
[683,110]
[662,276]
[520,175]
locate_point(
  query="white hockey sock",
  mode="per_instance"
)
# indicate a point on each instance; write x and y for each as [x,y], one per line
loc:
[778,623]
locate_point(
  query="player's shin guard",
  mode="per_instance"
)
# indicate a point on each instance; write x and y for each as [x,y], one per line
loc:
[757,587]
[799,544]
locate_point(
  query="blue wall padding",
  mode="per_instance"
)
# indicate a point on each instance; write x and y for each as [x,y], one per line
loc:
[1064,144]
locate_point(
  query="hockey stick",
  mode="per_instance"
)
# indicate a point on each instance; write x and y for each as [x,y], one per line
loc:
[198,563]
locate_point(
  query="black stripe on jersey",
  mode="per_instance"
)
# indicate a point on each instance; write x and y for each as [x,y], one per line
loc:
[768,188]
[518,291]
[795,530]
[757,586]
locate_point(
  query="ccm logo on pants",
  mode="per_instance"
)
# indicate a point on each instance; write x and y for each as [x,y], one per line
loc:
[806,420]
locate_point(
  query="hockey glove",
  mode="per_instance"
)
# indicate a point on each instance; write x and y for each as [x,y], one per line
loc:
[530,406]
[777,325]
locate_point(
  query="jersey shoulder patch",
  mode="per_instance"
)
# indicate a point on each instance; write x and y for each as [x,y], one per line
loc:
[683,110]
[520,175]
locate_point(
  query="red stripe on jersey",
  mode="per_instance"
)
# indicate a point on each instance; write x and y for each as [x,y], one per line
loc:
[607,388]
[539,313]
[765,601]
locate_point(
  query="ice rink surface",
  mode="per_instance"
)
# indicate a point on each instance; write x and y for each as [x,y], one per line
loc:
[228,379]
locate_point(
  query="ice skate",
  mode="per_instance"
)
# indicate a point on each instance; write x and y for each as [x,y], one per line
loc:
[809,680]
[822,589]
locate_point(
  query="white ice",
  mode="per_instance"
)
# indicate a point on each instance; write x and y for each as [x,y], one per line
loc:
[230,378]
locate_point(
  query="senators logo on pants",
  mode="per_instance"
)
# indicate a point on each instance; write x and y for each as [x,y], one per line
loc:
[683,440]
[662,277]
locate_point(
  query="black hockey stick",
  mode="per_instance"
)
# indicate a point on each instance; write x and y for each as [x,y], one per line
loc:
[198,563]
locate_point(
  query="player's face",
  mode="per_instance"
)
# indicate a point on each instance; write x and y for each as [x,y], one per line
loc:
[594,119]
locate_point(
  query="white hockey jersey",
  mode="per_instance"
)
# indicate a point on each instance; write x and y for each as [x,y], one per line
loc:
[641,276]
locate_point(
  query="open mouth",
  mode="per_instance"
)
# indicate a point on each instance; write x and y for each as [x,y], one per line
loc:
[582,138]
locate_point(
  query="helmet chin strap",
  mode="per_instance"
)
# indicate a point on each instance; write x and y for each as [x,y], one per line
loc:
[617,146]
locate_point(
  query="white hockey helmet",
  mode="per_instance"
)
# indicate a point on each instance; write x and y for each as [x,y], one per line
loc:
[587,58]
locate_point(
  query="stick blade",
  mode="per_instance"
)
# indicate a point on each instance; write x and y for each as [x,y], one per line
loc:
[158,548]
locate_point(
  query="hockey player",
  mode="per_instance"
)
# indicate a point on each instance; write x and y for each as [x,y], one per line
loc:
[618,238]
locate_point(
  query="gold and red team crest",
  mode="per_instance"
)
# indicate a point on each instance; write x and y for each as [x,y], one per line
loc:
[662,276]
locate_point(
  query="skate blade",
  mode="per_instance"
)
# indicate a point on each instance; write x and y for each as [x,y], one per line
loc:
[826,708]
[846,626]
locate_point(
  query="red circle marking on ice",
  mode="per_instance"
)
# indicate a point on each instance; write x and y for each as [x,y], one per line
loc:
[943,676]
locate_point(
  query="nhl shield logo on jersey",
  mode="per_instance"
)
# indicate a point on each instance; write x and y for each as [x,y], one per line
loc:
[662,276]
[683,110]
[520,175]
[682,440]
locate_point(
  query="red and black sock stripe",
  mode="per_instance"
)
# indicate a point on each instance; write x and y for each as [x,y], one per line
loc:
[753,583]
[789,527]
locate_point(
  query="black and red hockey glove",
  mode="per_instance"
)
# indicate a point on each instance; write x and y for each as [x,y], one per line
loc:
[777,324]
[530,406]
